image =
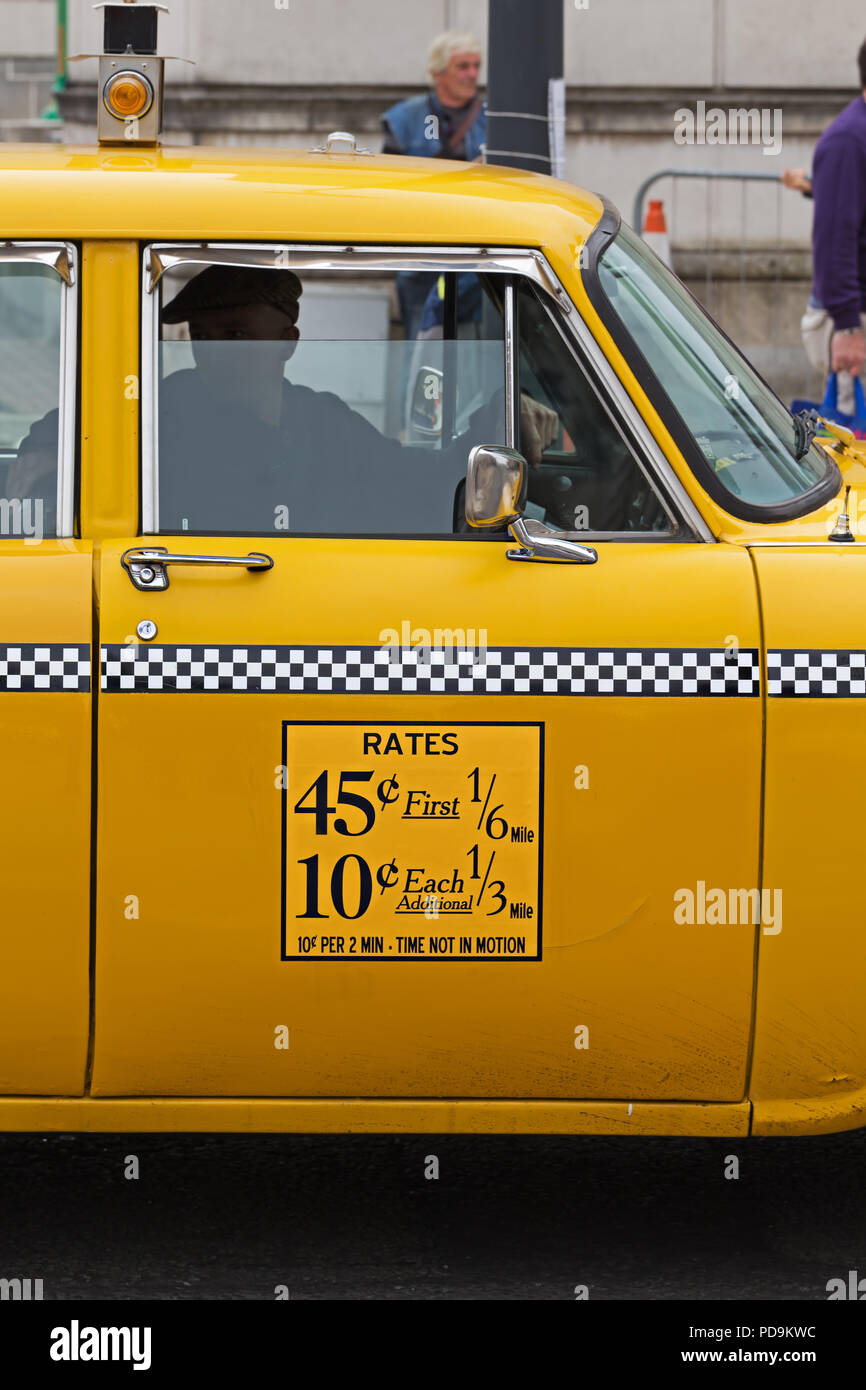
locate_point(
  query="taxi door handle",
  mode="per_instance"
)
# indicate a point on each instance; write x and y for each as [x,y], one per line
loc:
[146,565]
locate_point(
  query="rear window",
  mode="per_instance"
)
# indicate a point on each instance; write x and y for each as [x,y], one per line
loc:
[30,395]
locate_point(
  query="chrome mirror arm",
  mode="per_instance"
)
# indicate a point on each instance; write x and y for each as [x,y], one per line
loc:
[548,548]
[496,485]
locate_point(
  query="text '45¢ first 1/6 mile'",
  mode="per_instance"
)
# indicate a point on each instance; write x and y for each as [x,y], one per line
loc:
[412,842]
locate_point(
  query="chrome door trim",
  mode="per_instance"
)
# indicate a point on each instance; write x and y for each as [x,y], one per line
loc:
[149,415]
[160,257]
[510,260]
[61,257]
[512,427]
[58,257]
[68,392]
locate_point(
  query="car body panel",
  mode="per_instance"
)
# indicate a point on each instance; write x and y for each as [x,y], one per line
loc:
[46,617]
[188,998]
[691,1028]
[160,1114]
[810,1047]
[110,388]
[262,194]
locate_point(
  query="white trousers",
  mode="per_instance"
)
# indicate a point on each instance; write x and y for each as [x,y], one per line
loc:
[816,327]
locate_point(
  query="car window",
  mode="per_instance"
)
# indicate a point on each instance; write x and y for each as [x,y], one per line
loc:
[588,478]
[297,405]
[30,392]
[743,431]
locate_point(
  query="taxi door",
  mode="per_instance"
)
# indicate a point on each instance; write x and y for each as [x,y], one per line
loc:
[810,1049]
[45,700]
[398,815]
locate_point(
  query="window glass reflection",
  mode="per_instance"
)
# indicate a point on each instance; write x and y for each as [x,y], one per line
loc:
[295,407]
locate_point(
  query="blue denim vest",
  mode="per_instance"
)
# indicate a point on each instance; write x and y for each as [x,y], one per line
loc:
[407,122]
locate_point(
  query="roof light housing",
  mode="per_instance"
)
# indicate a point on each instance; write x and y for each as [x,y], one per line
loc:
[130,75]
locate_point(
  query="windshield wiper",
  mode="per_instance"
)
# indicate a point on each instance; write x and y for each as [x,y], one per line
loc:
[806,424]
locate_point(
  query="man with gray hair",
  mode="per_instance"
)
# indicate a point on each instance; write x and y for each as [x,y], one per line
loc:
[448,122]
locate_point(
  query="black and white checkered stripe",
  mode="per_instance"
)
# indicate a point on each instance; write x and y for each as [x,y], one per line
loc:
[35,666]
[816,673]
[32,666]
[448,671]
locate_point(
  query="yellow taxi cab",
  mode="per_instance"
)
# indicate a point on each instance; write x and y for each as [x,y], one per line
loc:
[450,732]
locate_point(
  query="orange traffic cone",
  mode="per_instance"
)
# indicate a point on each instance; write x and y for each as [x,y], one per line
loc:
[655,230]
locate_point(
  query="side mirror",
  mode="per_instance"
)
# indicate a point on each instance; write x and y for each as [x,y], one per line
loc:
[496,483]
[495,486]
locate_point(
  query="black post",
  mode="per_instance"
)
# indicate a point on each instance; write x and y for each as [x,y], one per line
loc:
[525,54]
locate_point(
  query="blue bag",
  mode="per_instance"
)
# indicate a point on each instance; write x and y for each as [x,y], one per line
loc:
[829,407]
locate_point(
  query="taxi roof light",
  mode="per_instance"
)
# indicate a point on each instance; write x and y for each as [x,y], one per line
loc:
[130,75]
[127,94]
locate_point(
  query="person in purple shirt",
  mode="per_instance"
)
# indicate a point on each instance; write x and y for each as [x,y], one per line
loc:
[834,324]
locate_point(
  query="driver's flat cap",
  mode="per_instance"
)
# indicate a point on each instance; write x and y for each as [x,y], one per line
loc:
[230,287]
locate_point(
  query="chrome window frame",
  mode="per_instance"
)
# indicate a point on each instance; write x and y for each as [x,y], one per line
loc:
[509,260]
[62,258]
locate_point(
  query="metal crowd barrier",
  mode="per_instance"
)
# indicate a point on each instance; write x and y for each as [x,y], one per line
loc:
[711,174]
[760,315]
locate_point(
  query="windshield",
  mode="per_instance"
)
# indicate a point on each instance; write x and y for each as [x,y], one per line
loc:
[745,434]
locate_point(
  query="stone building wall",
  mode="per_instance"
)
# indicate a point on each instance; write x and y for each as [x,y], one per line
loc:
[285,72]
[28,65]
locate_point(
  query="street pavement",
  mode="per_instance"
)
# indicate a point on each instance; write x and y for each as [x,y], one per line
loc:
[354,1217]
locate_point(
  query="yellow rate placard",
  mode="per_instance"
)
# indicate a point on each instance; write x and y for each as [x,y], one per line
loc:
[412,841]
